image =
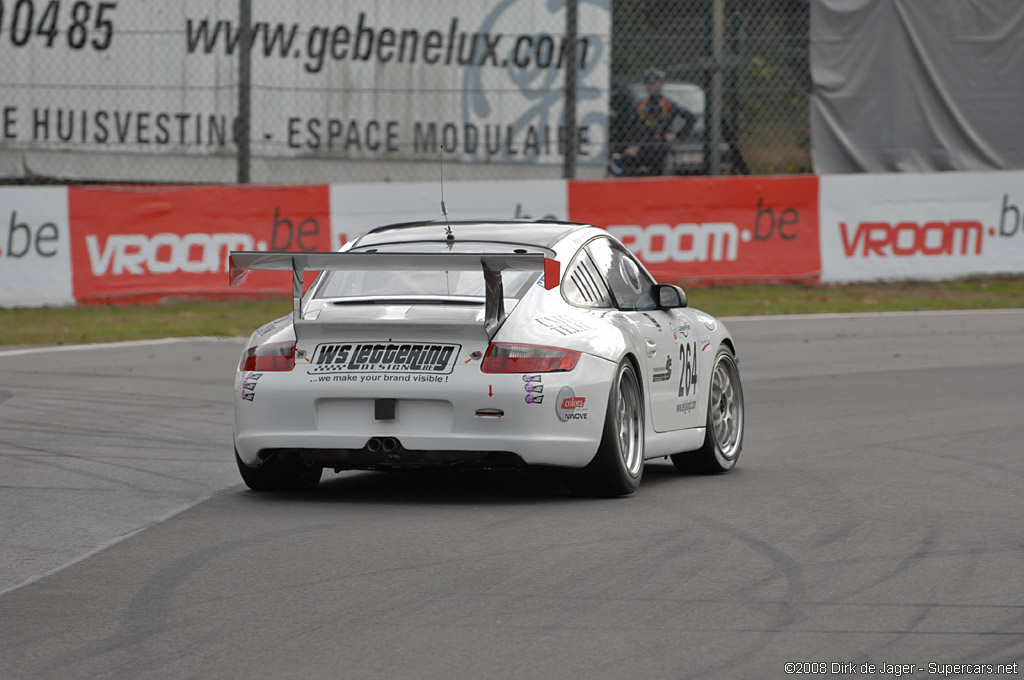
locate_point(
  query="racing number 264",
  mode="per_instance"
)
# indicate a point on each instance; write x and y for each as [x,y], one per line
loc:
[688,374]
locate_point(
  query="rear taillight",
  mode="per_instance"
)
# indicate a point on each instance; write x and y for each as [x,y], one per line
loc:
[276,356]
[504,358]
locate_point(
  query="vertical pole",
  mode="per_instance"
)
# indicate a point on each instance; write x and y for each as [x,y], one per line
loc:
[733,131]
[570,60]
[242,124]
[705,83]
[717,21]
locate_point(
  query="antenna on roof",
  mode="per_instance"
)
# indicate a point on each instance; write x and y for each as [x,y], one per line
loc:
[444,210]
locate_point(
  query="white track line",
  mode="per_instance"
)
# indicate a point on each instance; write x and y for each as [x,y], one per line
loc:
[113,541]
[112,345]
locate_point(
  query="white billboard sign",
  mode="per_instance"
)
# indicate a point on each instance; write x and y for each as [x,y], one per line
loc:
[35,247]
[921,226]
[357,79]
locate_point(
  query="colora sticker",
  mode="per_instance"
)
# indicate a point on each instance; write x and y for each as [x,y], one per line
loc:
[570,407]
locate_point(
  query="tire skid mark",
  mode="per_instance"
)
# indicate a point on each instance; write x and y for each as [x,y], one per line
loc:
[341,581]
[55,462]
[150,607]
[117,373]
[869,559]
[97,399]
[1012,649]
[840,505]
[105,441]
[149,416]
[925,547]
[919,614]
[787,568]
[1009,650]
[1006,476]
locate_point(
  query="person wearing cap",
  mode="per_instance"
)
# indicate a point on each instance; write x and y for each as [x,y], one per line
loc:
[655,119]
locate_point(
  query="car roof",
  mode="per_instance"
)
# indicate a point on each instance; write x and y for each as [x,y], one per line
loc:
[542,233]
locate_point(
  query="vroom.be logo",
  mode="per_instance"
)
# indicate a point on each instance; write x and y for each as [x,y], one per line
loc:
[707,241]
[25,239]
[905,239]
[712,229]
[656,243]
[935,238]
[149,242]
[139,254]
[35,254]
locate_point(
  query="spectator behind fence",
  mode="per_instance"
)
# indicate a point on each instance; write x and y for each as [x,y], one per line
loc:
[650,151]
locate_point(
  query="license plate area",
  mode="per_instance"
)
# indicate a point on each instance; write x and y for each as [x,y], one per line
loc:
[384,409]
[358,416]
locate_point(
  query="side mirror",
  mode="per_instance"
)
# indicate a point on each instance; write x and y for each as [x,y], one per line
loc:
[669,296]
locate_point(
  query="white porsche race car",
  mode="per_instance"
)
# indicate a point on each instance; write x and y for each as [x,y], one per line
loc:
[483,344]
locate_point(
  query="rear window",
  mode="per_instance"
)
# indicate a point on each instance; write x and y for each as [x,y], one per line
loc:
[357,283]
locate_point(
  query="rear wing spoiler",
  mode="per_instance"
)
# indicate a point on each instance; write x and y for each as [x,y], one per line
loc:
[240,262]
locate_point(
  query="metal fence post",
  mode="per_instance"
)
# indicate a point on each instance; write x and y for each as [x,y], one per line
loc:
[569,167]
[717,20]
[243,122]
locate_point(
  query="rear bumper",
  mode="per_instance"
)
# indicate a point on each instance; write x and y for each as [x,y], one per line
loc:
[394,457]
[451,422]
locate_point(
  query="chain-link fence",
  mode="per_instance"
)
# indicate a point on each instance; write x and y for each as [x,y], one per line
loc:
[742,61]
[379,90]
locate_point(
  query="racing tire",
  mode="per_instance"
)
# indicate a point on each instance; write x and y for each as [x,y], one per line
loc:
[723,439]
[276,477]
[618,466]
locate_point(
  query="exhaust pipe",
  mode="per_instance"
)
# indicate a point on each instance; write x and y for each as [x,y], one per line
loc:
[373,446]
[389,444]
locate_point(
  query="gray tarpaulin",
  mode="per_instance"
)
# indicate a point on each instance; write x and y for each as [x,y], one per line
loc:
[917,85]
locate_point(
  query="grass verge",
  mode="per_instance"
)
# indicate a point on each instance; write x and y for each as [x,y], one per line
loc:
[185,318]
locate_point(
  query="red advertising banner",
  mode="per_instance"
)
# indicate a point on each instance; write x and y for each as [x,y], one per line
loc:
[148,242]
[709,229]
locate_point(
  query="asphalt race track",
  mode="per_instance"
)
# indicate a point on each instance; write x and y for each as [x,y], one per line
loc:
[876,517]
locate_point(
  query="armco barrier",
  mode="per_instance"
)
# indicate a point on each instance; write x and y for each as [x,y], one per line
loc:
[59,245]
